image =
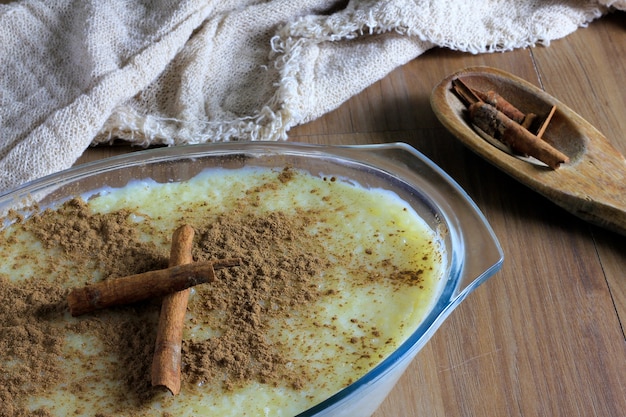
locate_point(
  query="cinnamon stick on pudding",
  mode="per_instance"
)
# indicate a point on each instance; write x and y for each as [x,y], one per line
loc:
[133,288]
[166,363]
[173,284]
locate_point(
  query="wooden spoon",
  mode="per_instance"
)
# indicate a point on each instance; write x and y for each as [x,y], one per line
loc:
[592,185]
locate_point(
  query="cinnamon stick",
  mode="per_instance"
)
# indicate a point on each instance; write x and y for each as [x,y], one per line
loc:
[470,96]
[528,121]
[544,125]
[465,93]
[166,363]
[497,125]
[497,101]
[126,290]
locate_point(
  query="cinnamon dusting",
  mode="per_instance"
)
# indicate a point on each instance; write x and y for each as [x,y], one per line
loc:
[281,274]
[278,274]
[275,277]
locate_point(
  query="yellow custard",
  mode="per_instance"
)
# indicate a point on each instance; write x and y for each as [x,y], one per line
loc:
[334,278]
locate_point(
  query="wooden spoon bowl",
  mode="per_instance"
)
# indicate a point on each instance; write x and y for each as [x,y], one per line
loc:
[592,185]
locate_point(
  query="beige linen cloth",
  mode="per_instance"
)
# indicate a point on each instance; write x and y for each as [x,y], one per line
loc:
[80,72]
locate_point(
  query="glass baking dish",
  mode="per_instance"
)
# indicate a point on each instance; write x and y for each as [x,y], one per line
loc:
[472,251]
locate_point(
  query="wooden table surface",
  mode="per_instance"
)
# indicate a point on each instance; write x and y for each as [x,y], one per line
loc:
[545,335]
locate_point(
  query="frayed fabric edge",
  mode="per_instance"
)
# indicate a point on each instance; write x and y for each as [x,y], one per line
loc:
[274,120]
[271,123]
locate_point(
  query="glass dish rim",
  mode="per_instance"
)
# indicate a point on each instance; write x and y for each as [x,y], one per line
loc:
[447,301]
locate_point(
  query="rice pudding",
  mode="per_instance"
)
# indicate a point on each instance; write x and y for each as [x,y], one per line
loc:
[334,277]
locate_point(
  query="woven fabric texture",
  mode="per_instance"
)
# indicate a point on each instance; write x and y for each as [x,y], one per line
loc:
[76,73]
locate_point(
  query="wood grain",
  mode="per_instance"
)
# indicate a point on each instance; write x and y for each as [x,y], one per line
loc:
[591,184]
[544,336]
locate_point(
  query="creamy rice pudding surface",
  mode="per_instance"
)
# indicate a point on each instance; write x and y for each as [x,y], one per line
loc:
[333,278]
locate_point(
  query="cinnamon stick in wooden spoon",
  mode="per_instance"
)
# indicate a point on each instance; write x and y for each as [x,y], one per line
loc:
[497,125]
[592,185]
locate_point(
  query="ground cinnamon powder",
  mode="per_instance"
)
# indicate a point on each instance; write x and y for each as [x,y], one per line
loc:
[280,270]
[32,311]
[28,338]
